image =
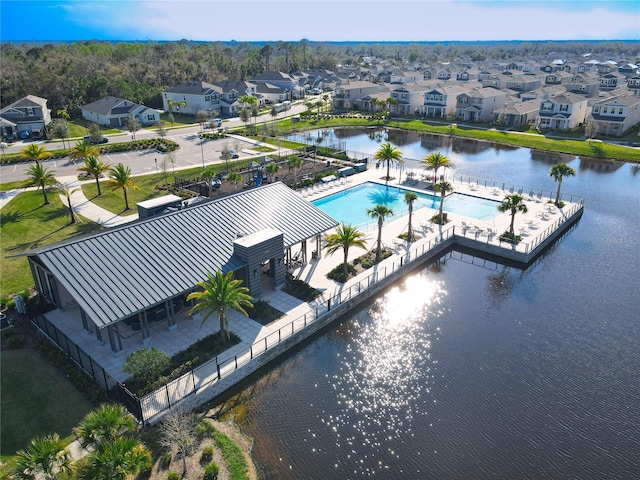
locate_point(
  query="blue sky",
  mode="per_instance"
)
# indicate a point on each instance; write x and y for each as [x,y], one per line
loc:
[319,20]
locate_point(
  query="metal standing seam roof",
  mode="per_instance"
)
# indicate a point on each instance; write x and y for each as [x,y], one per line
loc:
[121,271]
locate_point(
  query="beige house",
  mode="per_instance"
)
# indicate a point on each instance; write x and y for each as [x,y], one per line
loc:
[616,116]
[564,111]
[440,102]
[479,104]
[347,93]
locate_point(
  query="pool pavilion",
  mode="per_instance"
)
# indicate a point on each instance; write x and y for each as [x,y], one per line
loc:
[118,282]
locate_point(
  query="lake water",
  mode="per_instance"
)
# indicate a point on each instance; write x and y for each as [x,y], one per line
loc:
[472,369]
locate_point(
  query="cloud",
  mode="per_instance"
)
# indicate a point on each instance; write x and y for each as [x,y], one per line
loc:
[357,20]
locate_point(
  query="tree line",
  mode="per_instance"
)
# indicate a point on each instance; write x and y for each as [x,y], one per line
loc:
[70,75]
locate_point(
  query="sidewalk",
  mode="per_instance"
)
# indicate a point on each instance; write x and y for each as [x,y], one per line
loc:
[87,209]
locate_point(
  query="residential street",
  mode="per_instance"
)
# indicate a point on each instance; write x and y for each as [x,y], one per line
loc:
[193,151]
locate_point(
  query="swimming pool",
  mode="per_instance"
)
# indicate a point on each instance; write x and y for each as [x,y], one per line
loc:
[351,205]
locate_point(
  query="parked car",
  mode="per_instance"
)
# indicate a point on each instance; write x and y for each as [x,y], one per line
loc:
[316,91]
[91,140]
[24,135]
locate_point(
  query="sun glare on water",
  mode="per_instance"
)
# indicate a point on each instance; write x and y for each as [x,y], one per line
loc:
[385,377]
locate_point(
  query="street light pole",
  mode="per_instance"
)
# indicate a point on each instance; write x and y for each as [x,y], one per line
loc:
[202,150]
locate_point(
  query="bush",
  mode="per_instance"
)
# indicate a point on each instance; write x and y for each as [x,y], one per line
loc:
[146,364]
[173,476]
[508,237]
[337,273]
[300,289]
[165,461]
[205,429]
[207,453]
[211,471]
[264,313]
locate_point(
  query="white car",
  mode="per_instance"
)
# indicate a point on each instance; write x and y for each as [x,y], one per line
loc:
[316,91]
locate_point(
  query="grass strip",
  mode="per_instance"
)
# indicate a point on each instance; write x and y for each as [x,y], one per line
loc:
[233,456]
[26,224]
[36,400]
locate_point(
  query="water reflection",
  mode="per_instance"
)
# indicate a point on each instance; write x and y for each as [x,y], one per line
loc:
[600,165]
[385,376]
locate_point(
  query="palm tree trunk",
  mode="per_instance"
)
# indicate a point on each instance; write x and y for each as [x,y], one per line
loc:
[379,248]
[388,167]
[409,229]
[98,185]
[126,199]
[513,219]
[345,264]
[44,194]
[558,192]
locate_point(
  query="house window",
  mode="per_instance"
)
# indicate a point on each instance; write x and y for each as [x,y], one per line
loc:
[150,117]
[464,100]
[605,110]
[564,108]
[620,111]
[547,107]
[596,110]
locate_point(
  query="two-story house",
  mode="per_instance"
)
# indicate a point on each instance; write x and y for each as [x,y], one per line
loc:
[230,92]
[190,97]
[346,94]
[610,81]
[564,111]
[24,118]
[440,101]
[287,82]
[633,84]
[516,113]
[479,104]
[616,116]
[583,84]
[114,112]
[409,98]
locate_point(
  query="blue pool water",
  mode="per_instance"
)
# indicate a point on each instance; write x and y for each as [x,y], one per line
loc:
[351,205]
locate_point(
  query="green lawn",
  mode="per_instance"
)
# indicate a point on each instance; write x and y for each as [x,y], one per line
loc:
[27,224]
[36,400]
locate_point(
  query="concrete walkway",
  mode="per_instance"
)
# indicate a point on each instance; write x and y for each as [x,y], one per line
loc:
[89,210]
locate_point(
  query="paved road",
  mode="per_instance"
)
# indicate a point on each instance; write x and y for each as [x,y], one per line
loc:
[193,151]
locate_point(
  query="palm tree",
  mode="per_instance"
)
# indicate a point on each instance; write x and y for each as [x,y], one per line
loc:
[373,102]
[381,212]
[558,171]
[121,459]
[120,177]
[434,161]
[82,150]
[35,152]
[45,457]
[65,190]
[344,237]
[104,424]
[513,203]
[235,178]
[94,167]
[294,163]
[218,294]
[271,169]
[443,188]
[409,198]
[208,174]
[40,176]
[388,154]
[176,103]
[391,102]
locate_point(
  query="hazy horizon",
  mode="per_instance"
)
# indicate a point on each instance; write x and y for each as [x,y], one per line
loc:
[335,21]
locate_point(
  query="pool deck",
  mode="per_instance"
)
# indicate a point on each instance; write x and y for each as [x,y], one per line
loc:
[483,236]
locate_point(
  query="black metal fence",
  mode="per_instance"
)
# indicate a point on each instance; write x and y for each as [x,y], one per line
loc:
[115,390]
